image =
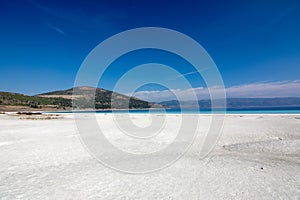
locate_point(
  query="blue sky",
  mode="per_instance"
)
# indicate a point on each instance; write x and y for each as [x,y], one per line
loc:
[254,43]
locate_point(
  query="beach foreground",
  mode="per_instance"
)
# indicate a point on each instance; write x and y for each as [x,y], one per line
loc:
[256,157]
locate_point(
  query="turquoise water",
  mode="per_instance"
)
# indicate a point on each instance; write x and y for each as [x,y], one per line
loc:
[177,111]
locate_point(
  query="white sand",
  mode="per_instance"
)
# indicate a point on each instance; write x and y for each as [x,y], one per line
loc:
[257,157]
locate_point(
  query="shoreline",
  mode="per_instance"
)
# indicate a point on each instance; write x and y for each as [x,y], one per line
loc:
[147,114]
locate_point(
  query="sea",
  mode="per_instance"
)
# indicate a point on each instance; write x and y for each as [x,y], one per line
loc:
[281,110]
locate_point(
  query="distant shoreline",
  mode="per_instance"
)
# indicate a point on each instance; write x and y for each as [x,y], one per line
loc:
[270,109]
[177,111]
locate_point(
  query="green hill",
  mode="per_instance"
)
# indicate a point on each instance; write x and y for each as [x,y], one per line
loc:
[63,99]
[15,99]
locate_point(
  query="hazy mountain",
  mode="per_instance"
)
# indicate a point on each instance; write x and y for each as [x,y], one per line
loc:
[240,103]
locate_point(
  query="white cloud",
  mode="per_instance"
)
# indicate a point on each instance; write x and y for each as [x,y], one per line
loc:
[56,29]
[254,90]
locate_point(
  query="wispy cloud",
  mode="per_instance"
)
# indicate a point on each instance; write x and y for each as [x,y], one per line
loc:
[103,17]
[277,18]
[186,74]
[56,29]
[268,89]
[254,90]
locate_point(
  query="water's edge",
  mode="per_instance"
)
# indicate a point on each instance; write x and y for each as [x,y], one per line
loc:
[178,111]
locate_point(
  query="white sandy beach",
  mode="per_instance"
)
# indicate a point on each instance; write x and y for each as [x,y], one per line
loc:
[256,157]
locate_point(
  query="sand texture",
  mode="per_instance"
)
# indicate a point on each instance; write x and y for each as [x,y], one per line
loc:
[256,157]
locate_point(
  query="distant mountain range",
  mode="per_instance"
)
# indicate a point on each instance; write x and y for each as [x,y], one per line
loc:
[241,103]
[62,100]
